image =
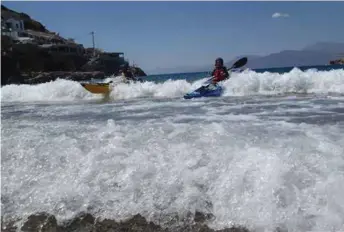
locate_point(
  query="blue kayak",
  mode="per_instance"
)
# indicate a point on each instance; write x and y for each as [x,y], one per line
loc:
[205,91]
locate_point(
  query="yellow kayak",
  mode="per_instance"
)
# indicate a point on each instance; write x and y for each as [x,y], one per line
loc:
[97,88]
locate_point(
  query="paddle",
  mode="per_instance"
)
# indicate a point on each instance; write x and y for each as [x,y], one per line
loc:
[239,63]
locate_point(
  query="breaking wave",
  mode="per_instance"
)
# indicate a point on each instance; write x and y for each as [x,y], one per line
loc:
[241,84]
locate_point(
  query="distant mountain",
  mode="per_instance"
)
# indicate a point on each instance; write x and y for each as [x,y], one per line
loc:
[317,54]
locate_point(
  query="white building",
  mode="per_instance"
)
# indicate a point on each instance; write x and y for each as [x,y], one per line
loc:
[14,24]
[11,27]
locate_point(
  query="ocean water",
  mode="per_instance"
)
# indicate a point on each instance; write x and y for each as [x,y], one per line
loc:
[267,154]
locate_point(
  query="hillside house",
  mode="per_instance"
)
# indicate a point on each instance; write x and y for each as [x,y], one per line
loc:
[70,48]
[90,52]
[44,37]
[12,24]
[112,55]
[12,27]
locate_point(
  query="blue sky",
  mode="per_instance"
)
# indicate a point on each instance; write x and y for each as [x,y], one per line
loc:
[175,34]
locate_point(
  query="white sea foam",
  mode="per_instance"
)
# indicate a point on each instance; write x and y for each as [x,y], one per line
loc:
[59,90]
[295,81]
[241,84]
[257,161]
[162,157]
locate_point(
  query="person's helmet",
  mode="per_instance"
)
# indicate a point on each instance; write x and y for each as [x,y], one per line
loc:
[219,61]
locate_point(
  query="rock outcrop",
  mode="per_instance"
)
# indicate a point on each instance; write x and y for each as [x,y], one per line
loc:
[88,223]
[42,77]
[338,61]
[108,66]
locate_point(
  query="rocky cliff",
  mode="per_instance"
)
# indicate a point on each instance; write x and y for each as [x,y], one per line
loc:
[30,64]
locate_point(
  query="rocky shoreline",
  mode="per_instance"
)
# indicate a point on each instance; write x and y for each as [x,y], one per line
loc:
[12,74]
[43,77]
[86,222]
[75,76]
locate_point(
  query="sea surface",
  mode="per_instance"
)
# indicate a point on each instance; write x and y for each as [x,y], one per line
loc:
[267,154]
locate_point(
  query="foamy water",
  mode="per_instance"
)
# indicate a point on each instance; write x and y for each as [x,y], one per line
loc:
[248,158]
[241,84]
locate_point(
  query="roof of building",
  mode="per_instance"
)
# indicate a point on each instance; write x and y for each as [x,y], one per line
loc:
[113,53]
[24,38]
[60,45]
[45,35]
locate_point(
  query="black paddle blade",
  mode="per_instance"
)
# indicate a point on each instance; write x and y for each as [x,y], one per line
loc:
[240,63]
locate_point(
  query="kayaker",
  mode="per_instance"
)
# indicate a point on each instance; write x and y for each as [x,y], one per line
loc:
[220,71]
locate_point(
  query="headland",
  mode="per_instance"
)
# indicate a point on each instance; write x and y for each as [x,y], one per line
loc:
[32,54]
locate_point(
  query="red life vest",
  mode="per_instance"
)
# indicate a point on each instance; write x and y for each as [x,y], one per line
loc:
[219,75]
